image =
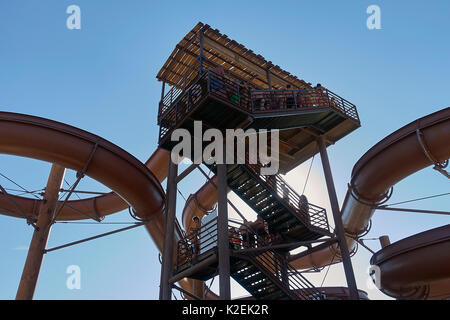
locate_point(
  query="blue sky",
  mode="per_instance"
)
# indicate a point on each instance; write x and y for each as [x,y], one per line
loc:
[102,79]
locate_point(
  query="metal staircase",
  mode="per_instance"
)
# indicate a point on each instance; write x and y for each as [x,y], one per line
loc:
[286,213]
[261,276]
[263,272]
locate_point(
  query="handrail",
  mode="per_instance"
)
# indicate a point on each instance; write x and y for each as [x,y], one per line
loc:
[267,101]
[177,103]
[294,283]
[311,215]
[242,236]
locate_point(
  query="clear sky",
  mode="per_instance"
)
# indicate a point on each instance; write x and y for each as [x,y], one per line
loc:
[102,79]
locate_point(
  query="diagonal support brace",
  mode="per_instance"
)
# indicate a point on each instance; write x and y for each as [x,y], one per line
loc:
[438,166]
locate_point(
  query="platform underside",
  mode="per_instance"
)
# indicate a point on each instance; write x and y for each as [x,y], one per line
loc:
[299,128]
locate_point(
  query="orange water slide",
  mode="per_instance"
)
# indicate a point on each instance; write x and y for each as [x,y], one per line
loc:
[381,167]
[391,160]
[76,149]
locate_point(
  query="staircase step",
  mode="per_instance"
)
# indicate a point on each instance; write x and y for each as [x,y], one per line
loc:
[240,264]
[265,203]
[235,175]
[253,277]
[263,293]
[263,284]
[277,295]
[243,273]
[256,193]
[243,185]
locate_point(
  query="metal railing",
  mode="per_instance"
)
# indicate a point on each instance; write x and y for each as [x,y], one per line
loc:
[314,217]
[202,242]
[177,103]
[168,100]
[198,244]
[208,83]
[275,101]
[274,264]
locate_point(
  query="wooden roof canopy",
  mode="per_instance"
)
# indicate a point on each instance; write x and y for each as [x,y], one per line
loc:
[218,50]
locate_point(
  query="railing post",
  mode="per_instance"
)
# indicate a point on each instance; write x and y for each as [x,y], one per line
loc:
[328,97]
[161,103]
[295,100]
[356,112]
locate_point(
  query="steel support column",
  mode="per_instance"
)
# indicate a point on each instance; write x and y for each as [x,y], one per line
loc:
[339,227]
[165,290]
[269,79]
[39,240]
[222,230]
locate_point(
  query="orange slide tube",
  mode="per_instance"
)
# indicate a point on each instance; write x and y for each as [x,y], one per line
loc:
[55,142]
[417,267]
[389,156]
[392,159]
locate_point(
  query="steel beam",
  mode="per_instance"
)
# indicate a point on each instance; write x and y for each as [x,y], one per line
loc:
[194,269]
[305,253]
[339,227]
[186,172]
[33,263]
[222,230]
[412,210]
[165,290]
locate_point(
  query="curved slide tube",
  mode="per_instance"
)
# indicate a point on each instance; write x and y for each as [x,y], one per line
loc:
[356,214]
[416,267]
[55,142]
[392,159]
[72,148]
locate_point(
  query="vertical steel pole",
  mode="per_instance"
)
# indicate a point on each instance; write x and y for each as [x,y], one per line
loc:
[165,290]
[222,230]
[339,227]
[269,79]
[39,240]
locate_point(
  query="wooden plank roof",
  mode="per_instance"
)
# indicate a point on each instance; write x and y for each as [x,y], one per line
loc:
[239,62]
